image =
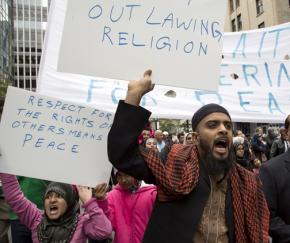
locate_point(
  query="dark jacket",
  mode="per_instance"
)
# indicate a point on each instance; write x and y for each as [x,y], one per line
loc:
[258,147]
[170,222]
[275,175]
[277,148]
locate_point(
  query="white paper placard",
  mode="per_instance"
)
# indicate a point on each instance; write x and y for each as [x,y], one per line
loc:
[180,40]
[52,139]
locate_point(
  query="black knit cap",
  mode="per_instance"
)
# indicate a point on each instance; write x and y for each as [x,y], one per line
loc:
[66,191]
[206,110]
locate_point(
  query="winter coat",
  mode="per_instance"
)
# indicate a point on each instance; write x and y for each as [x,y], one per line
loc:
[129,212]
[92,222]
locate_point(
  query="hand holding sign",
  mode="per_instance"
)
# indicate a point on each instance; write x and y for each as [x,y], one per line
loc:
[85,193]
[101,191]
[136,89]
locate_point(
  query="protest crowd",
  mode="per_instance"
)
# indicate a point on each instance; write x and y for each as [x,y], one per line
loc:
[212,184]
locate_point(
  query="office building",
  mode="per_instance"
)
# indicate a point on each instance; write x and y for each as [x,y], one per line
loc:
[6,31]
[254,14]
[30,20]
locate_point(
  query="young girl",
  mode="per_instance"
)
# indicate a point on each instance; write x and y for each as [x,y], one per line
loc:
[61,221]
[128,206]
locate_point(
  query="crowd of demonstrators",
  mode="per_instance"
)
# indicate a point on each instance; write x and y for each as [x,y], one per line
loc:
[128,206]
[213,184]
[202,194]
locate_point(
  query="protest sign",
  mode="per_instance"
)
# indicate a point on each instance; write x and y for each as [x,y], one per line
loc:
[53,139]
[254,83]
[121,39]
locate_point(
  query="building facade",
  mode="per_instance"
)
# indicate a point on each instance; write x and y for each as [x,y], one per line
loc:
[254,14]
[30,20]
[6,27]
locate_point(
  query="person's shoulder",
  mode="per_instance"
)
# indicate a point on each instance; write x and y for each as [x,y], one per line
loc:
[245,171]
[277,161]
[276,141]
[146,188]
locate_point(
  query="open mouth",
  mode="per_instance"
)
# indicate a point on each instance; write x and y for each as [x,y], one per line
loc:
[221,145]
[53,209]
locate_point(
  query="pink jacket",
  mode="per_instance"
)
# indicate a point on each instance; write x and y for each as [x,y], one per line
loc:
[129,212]
[92,223]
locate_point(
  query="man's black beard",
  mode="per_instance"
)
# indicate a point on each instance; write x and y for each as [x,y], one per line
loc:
[215,166]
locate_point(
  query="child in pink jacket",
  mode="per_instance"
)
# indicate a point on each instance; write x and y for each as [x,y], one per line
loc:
[128,206]
[61,220]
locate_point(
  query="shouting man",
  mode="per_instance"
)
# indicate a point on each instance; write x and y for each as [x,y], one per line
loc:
[203,195]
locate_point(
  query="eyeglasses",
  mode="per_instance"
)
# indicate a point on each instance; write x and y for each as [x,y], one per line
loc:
[189,138]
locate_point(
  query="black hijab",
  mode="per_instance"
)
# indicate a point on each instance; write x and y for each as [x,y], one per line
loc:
[62,229]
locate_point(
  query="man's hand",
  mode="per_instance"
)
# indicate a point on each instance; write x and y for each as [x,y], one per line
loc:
[85,193]
[100,191]
[136,89]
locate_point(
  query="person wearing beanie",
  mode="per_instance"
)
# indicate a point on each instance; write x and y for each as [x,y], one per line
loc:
[61,220]
[202,194]
[128,206]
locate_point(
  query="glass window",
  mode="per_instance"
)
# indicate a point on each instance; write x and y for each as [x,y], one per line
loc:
[44,14]
[20,59]
[239,20]
[26,13]
[262,25]
[33,60]
[259,7]
[27,59]
[20,12]
[32,13]
[38,14]
[234,25]
[232,6]
[21,72]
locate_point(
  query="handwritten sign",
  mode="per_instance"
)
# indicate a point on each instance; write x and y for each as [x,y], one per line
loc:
[120,39]
[53,139]
[254,83]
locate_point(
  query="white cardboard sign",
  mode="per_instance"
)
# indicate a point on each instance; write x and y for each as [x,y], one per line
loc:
[52,139]
[181,39]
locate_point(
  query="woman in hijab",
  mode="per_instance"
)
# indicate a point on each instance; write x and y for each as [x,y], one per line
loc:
[61,221]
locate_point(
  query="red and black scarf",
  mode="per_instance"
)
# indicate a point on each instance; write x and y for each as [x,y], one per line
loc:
[180,174]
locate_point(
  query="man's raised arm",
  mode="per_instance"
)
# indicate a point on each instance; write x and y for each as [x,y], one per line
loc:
[129,121]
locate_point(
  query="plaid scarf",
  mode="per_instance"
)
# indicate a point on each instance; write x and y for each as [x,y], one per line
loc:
[180,175]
